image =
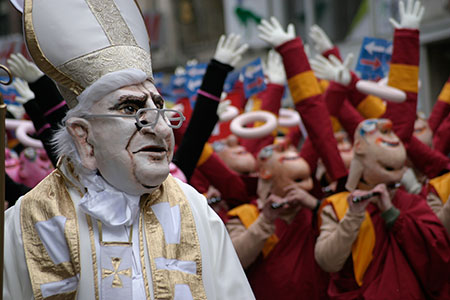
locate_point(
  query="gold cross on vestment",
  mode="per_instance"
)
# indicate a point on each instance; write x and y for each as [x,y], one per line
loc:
[117,283]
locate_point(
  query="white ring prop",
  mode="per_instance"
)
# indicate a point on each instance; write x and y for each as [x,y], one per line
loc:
[229,113]
[238,123]
[383,91]
[12,124]
[288,118]
[22,135]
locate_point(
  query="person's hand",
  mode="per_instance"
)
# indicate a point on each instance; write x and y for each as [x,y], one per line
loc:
[24,91]
[273,213]
[274,34]
[229,51]
[294,193]
[332,69]
[275,69]
[360,206]
[223,106]
[384,199]
[22,68]
[321,41]
[410,17]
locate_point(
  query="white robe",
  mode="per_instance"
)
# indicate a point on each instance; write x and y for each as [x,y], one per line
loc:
[222,274]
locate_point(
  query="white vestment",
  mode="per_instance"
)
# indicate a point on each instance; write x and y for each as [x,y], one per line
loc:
[222,274]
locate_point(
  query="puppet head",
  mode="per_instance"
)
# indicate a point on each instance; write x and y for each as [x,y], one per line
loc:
[235,156]
[279,166]
[422,130]
[379,155]
[105,76]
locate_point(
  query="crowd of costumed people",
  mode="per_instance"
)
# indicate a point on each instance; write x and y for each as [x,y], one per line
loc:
[329,186]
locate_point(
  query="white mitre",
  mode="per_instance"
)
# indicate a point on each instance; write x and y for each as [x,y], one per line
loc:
[78,42]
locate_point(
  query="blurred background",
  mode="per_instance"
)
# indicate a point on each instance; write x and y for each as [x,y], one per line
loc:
[181,30]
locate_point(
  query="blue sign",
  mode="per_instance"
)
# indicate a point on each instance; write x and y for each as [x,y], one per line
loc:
[374,58]
[230,81]
[175,89]
[194,79]
[253,78]
[159,80]
[8,92]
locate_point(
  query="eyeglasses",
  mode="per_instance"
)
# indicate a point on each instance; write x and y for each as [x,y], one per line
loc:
[371,125]
[149,117]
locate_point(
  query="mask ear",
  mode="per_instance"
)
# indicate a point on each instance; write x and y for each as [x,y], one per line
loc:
[79,129]
[359,147]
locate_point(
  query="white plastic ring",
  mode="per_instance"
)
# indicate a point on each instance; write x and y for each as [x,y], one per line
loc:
[229,113]
[238,123]
[383,91]
[22,132]
[288,118]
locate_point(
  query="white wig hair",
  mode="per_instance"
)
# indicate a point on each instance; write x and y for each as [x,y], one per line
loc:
[62,140]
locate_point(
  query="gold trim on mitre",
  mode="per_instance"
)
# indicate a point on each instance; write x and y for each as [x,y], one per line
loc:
[77,73]
[38,56]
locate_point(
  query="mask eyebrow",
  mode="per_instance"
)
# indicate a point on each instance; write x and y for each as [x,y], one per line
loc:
[138,100]
[157,99]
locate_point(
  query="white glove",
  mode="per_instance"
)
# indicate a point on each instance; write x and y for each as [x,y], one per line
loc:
[228,51]
[180,70]
[410,182]
[274,34]
[21,67]
[25,93]
[223,106]
[275,69]
[332,69]
[411,16]
[321,41]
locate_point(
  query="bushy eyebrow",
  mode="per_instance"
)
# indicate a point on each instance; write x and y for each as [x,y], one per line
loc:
[140,100]
[157,98]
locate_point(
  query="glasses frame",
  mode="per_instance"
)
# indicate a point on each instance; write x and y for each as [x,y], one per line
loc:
[137,116]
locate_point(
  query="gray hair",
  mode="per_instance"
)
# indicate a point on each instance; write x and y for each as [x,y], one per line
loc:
[62,140]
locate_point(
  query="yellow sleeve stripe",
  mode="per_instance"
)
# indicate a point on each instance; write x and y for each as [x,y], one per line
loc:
[445,93]
[404,77]
[303,86]
[371,107]
[206,153]
[335,124]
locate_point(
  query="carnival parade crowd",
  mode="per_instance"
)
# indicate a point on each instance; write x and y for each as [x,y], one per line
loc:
[341,193]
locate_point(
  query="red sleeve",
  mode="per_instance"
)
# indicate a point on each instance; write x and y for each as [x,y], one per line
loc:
[349,118]
[441,137]
[334,51]
[441,108]
[423,240]
[237,95]
[306,93]
[427,160]
[404,75]
[309,154]
[230,185]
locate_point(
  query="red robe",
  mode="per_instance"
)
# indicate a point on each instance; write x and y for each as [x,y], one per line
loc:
[290,271]
[410,261]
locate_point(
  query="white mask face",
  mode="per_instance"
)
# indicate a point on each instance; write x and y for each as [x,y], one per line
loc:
[134,161]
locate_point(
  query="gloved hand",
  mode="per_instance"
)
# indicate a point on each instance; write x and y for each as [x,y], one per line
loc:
[410,17]
[274,34]
[222,107]
[321,41]
[25,93]
[228,51]
[180,70]
[275,69]
[22,68]
[332,69]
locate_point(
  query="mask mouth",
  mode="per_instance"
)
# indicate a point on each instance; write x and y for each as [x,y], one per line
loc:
[389,143]
[152,149]
[419,130]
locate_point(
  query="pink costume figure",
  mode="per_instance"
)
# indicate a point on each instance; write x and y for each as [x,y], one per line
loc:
[34,166]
